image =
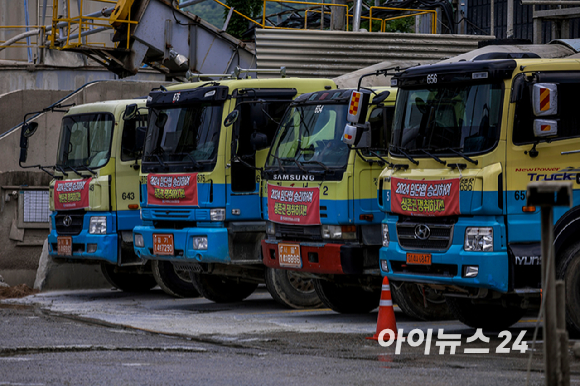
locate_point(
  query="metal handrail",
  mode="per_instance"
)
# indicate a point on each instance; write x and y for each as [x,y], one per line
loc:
[417,13]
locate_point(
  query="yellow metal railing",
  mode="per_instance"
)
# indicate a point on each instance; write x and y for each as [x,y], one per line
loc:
[79,28]
[417,12]
[370,18]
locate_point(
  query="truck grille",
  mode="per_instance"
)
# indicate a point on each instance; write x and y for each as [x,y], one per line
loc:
[75,223]
[297,232]
[438,238]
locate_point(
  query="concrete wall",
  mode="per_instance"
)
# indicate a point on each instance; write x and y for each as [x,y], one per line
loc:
[22,76]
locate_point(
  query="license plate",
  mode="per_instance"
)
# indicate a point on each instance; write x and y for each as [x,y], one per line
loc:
[163,245]
[64,245]
[419,258]
[289,255]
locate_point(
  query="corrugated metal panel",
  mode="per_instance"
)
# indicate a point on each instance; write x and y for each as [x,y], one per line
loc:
[333,53]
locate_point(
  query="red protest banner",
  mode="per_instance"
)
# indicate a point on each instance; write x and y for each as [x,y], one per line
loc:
[174,189]
[71,194]
[425,198]
[289,205]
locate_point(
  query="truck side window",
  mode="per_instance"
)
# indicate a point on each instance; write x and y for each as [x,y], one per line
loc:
[128,137]
[569,119]
[264,118]
[381,120]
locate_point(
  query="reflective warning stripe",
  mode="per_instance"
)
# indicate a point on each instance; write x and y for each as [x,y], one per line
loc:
[386,287]
[386,303]
[544,99]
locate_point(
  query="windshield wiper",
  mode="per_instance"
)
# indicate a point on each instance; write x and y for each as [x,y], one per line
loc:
[73,169]
[279,162]
[475,162]
[60,169]
[89,170]
[433,156]
[300,165]
[402,151]
[159,160]
[326,168]
[193,161]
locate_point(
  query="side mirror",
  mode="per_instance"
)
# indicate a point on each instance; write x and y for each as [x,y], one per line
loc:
[28,129]
[140,134]
[259,140]
[231,118]
[357,135]
[23,147]
[381,97]
[130,112]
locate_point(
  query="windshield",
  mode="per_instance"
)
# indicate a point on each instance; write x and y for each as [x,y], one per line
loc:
[462,117]
[187,134]
[85,140]
[310,135]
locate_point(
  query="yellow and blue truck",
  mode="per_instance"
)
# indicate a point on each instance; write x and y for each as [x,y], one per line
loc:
[201,179]
[320,196]
[468,137]
[94,196]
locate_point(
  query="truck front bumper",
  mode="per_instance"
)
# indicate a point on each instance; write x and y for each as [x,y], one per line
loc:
[217,244]
[104,246]
[319,257]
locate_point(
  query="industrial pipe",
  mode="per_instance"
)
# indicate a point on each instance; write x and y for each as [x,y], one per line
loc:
[18,37]
[357,13]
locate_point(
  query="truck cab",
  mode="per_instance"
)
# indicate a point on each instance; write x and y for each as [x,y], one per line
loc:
[320,197]
[467,139]
[201,181]
[94,196]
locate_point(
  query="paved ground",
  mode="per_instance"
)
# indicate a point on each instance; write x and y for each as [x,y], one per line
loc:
[104,337]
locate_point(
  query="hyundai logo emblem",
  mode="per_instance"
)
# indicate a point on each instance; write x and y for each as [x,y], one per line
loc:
[67,221]
[422,232]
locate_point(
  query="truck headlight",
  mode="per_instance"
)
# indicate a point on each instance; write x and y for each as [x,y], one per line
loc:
[478,239]
[385,232]
[270,228]
[139,242]
[336,232]
[217,214]
[200,243]
[98,225]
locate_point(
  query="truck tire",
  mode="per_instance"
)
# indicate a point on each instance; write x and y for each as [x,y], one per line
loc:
[568,269]
[409,297]
[126,281]
[291,290]
[172,282]
[346,299]
[221,289]
[493,317]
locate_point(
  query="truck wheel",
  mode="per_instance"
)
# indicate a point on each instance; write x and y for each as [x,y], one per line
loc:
[493,317]
[173,282]
[127,281]
[409,297]
[346,299]
[290,289]
[221,289]
[568,269]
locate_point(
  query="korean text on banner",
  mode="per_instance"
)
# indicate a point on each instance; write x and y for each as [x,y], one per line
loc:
[174,189]
[71,194]
[425,198]
[290,205]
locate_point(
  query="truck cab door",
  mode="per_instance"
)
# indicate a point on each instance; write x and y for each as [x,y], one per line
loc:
[127,175]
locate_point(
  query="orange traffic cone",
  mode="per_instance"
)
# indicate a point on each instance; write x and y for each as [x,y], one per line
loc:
[386,319]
